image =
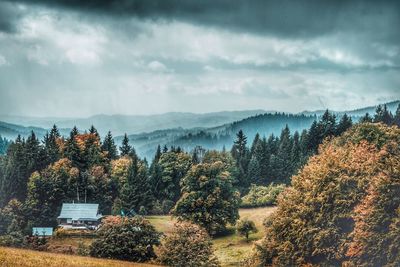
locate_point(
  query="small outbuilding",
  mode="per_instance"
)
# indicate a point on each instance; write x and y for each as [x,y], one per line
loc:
[79,216]
[42,231]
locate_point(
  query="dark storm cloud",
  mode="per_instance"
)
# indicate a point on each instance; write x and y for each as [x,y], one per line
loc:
[9,15]
[292,19]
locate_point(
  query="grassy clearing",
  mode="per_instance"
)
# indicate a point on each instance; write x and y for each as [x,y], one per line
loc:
[230,249]
[11,257]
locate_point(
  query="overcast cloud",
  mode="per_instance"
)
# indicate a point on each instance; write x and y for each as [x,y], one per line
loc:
[79,58]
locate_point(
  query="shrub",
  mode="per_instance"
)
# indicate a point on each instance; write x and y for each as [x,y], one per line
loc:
[82,249]
[187,245]
[142,211]
[343,207]
[261,196]
[125,239]
[157,208]
[167,205]
[36,243]
[245,227]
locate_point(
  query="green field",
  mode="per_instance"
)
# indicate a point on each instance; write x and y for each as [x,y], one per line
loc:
[230,249]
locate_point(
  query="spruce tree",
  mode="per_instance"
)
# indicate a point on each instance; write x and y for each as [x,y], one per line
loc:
[136,191]
[366,118]
[51,147]
[73,152]
[396,119]
[125,148]
[240,153]
[344,124]
[284,156]
[109,146]
[15,176]
[327,126]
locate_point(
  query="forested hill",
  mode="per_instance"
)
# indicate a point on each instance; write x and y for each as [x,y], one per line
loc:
[357,113]
[218,137]
[135,124]
[11,131]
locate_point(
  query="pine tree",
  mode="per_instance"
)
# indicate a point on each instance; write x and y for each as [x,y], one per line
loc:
[74,132]
[51,147]
[93,130]
[15,176]
[92,151]
[344,124]
[313,137]
[136,191]
[155,172]
[396,119]
[387,116]
[366,118]
[240,153]
[295,153]
[73,152]
[284,156]
[327,126]
[125,149]
[109,146]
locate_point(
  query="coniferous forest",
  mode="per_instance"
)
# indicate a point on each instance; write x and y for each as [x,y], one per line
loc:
[37,176]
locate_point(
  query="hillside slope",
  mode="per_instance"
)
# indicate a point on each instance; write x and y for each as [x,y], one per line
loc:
[11,257]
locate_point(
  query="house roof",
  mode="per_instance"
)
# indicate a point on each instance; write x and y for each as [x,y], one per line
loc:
[42,231]
[80,211]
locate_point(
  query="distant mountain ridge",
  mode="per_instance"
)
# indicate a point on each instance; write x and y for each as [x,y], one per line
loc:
[210,130]
[392,106]
[135,124]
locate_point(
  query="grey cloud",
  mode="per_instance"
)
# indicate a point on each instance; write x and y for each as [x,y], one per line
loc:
[285,18]
[9,17]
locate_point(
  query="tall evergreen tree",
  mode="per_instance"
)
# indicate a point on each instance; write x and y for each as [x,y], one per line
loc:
[396,119]
[284,164]
[313,137]
[125,148]
[240,153]
[109,146]
[366,118]
[72,150]
[15,176]
[344,124]
[327,125]
[51,147]
[295,153]
[136,191]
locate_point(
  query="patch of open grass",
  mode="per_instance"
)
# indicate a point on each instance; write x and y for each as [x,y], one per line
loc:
[230,248]
[11,257]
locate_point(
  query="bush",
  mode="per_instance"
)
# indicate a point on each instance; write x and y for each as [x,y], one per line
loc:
[82,250]
[343,208]
[125,239]
[245,227]
[187,245]
[36,243]
[261,196]
[142,211]
[167,205]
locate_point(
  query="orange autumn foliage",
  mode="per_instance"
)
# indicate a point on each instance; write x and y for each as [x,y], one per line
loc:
[343,206]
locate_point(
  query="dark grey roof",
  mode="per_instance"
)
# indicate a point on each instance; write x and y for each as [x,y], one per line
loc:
[80,211]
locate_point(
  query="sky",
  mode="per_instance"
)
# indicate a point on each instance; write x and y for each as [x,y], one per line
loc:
[71,58]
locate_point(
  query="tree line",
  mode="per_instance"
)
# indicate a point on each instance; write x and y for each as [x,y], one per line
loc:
[36,177]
